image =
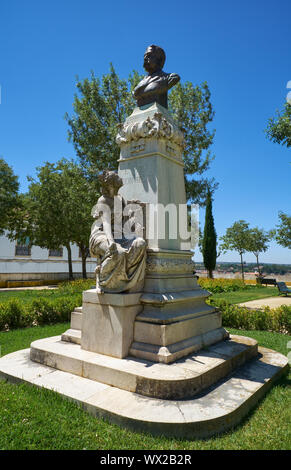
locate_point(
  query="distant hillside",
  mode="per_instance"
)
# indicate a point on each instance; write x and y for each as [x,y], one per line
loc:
[267,268]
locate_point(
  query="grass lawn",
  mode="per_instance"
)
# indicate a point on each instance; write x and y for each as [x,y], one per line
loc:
[30,295]
[239,296]
[33,418]
[232,297]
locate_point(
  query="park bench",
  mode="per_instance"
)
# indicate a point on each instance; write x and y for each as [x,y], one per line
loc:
[267,281]
[283,289]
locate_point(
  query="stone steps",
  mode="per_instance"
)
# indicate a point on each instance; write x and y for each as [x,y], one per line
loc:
[72,336]
[216,410]
[179,380]
[76,319]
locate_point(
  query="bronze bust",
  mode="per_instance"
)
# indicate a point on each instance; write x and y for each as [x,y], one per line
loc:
[154,86]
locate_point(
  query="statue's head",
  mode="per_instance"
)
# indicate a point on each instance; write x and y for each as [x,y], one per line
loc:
[154,59]
[110,183]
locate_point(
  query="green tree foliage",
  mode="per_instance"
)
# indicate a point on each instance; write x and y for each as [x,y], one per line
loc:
[192,108]
[209,239]
[9,199]
[101,105]
[258,242]
[236,238]
[279,127]
[283,232]
[99,108]
[57,209]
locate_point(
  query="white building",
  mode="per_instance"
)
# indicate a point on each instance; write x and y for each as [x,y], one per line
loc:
[32,263]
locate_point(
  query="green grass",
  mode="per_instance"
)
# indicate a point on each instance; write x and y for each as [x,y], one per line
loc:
[27,296]
[21,339]
[33,418]
[239,296]
[51,294]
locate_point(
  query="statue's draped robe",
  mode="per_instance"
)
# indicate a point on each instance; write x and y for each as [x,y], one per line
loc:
[120,270]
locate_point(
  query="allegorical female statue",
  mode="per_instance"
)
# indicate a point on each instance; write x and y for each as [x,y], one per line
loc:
[121,261]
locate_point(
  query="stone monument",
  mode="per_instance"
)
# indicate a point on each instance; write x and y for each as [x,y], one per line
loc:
[145,350]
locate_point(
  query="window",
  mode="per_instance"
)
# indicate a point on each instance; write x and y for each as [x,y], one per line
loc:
[58,253]
[23,248]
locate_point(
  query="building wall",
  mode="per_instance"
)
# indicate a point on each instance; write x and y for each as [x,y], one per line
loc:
[39,265]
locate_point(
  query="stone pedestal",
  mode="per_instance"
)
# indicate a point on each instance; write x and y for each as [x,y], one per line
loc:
[175,320]
[152,170]
[108,322]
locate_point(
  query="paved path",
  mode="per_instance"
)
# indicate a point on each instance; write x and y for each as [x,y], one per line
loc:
[272,302]
[27,288]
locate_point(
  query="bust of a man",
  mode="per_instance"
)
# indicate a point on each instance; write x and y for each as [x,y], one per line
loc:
[154,86]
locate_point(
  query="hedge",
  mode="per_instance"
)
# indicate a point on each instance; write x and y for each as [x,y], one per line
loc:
[218,285]
[44,311]
[277,320]
[17,314]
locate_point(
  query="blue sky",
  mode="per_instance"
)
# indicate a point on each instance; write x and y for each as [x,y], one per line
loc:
[241,48]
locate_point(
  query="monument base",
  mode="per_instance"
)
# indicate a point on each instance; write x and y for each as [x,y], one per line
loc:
[153,326]
[236,388]
[108,322]
[182,379]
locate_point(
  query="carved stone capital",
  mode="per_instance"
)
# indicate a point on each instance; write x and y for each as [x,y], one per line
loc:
[156,126]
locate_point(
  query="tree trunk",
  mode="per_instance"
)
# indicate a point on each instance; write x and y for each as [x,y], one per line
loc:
[210,273]
[71,277]
[242,268]
[257,256]
[84,253]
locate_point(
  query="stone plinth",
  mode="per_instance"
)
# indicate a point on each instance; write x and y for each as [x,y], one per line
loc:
[108,321]
[152,170]
[175,324]
[185,378]
[218,409]
[175,320]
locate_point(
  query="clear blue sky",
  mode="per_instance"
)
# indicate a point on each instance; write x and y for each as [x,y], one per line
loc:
[241,48]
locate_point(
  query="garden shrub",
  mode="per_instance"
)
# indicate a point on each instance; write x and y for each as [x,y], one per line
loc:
[52,311]
[77,286]
[3,317]
[233,316]
[43,312]
[63,308]
[11,314]
[17,314]
[218,285]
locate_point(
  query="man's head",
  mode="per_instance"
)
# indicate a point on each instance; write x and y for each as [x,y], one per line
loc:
[154,59]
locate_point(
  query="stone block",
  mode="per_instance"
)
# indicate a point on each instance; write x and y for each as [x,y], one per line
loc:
[107,322]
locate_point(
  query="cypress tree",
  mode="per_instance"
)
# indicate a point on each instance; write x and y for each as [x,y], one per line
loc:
[209,239]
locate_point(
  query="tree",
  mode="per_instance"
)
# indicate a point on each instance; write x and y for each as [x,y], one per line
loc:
[279,127]
[283,232]
[101,105]
[192,108]
[258,242]
[9,198]
[236,238]
[57,209]
[209,239]
[82,195]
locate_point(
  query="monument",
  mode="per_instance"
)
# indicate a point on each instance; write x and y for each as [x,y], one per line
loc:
[154,87]
[145,350]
